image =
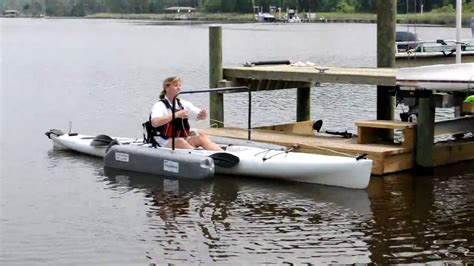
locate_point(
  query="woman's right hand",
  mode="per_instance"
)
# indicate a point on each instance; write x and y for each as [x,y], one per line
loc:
[181,114]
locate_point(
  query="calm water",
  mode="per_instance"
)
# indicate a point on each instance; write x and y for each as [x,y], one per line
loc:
[104,75]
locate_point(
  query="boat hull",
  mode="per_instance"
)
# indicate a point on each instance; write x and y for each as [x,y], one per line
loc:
[162,162]
[301,167]
[255,162]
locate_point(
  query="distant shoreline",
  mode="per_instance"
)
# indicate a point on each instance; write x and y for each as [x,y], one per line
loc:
[426,19]
[434,19]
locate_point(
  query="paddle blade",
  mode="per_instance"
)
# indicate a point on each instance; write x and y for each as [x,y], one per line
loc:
[101,140]
[224,159]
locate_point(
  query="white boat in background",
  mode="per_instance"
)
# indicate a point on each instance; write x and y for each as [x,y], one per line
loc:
[292,16]
[250,161]
[264,17]
[410,49]
[448,78]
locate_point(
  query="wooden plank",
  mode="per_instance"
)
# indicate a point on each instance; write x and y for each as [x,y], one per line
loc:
[370,76]
[366,135]
[390,124]
[409,138]
[468,108]
[367,131]
[303,128]
[448,153]
[320,142]
[377,163]
[398,162]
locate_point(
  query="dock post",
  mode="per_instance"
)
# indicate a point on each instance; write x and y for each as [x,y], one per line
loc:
[425,131]
[303,104]
[386,22]
[216,100]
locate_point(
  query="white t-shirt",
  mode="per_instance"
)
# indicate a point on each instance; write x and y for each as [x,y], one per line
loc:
[159,109]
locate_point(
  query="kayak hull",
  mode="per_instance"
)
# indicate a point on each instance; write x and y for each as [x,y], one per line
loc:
[165,162]
[301,167]
[253,161]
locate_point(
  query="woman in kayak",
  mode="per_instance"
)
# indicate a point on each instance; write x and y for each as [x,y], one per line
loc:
[161,120]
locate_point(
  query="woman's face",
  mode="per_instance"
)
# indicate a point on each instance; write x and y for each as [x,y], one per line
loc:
[173,89]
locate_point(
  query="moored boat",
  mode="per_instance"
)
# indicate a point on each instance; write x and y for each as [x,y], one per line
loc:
[411,50]
[236,160]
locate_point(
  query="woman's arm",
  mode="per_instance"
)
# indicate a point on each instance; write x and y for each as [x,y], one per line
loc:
[160,115]
[194,112]
[165,119]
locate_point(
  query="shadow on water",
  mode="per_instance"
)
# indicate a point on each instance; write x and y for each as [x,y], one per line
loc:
[423,217]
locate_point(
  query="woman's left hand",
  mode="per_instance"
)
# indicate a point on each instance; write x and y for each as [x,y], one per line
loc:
[202,114]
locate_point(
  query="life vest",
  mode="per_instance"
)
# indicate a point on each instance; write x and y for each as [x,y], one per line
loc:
[166,131]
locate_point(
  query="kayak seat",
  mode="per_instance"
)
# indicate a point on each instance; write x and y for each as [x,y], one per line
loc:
[148,134]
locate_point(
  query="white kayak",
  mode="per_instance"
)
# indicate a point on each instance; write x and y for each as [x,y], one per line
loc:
[257,162]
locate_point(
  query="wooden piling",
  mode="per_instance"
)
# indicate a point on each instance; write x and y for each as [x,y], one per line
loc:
[425,131]
[386,22]
[303,104]
[216,100]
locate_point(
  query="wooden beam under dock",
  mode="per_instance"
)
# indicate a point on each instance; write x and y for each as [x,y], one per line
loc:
[313,74]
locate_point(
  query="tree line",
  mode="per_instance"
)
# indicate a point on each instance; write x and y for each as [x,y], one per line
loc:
[86,7]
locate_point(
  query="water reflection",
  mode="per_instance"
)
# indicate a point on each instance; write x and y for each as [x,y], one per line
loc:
[66,160]
[232,219]
[420,218]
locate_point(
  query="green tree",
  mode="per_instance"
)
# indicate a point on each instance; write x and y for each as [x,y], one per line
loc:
[212,5]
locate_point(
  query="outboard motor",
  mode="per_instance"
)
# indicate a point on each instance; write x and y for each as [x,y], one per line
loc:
[406,36]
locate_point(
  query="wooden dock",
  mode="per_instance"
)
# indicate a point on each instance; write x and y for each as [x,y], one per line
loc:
[288,76]
[418,148]
[386,157]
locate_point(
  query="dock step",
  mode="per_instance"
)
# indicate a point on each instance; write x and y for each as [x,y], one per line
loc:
[367,131]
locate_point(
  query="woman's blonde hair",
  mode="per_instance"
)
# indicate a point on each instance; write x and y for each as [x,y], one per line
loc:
[168,81]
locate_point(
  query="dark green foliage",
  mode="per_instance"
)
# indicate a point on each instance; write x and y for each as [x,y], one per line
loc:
[85,7]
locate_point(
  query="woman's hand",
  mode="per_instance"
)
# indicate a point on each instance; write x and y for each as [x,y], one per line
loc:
[181,114]
[202,114]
